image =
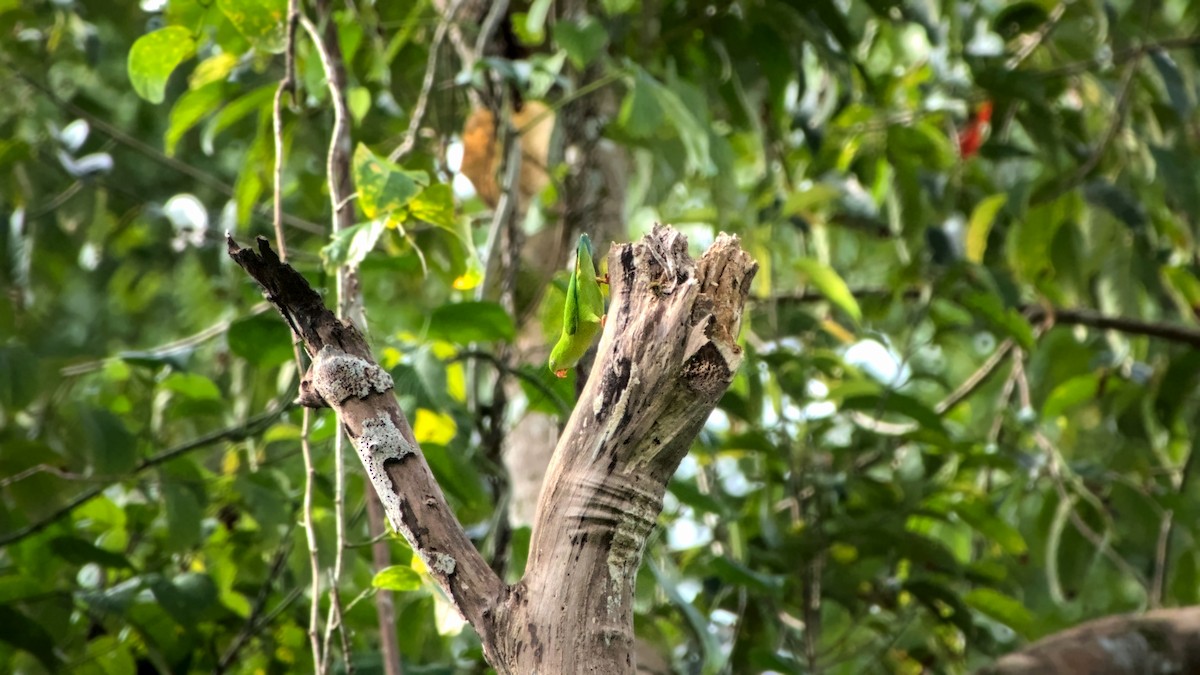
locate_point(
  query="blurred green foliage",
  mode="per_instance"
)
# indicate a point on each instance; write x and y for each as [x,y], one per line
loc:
[845,510]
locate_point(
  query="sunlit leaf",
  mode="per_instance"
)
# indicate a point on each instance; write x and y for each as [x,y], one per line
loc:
[1005,609]
[153,58]
[399,578]
[260,21]
[350,246]
[831,285]
[433,427]
[980,226]
[435,205]
[382,186]
[582,39]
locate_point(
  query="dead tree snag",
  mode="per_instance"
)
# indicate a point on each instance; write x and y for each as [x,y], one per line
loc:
[667,355]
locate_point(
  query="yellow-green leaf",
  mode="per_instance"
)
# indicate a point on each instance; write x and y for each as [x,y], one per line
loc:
[980,226]
[155,56]
[433,427]
[831,285]
[382,186]
[435,205]
[260,21]
[397,578]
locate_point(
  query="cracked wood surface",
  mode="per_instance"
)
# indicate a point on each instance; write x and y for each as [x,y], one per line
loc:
[667,355]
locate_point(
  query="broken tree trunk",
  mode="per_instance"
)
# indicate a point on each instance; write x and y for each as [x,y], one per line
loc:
[667,355]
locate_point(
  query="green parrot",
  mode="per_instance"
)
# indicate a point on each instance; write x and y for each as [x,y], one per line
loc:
[583,314]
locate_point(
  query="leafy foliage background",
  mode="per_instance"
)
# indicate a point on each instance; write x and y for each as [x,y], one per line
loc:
[845,510]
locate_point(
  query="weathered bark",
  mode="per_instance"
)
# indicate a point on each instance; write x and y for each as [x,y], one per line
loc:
[344,376]
[1164,641]
[667,355]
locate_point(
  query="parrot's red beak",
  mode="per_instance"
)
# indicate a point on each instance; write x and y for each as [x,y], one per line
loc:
[561,373]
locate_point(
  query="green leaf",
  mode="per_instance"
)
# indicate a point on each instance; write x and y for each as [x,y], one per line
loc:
[262,22]
[263,339]
[358,100]
[192,385]
[351,245]
[467,322]
[1178,90]
[981,517]
[980,226]
[112,448]
[640,114]
[184,515]
[400,578]
[113,601]
[155,56]
[18,377]
[831,285]
[889,401]
[435,205]
[1069,394]
[691,133]
[258,100]
[1118,202]
[582,39]
[1004,319]
[80,552]
[1005,609]
[382,186]
[17,588]
[738,574]
[535,20]
[187,112]
[23,632]
[1029,238]
[184,598]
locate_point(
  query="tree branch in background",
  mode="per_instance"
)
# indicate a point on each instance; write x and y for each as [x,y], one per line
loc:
[418,111]
[250,427]
[1035,312]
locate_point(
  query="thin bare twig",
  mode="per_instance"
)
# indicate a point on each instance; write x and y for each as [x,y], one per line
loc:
[1056,470]
[288,86]
[1034,41]
[975,380]
[418,113]
[1036,312]
[338,175]
[1120,108]
[254,622]
[1121,57]
[179,345]
[1159,582]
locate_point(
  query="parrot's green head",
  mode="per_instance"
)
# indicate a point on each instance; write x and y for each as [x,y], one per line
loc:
[585,246]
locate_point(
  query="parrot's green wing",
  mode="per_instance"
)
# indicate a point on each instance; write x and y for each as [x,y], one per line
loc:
[583,312]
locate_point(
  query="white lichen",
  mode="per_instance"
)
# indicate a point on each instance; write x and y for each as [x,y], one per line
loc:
[378,442]
[443,562]
[337,376]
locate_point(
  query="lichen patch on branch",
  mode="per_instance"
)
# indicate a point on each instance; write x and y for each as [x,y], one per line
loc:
[337,376]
